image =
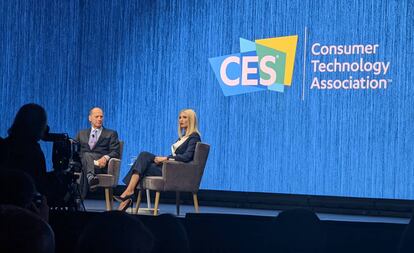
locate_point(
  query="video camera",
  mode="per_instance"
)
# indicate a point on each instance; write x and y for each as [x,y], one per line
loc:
[65,152]
[66,161]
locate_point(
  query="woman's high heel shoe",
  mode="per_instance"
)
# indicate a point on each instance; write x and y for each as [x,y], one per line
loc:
[122,199]
[129,204]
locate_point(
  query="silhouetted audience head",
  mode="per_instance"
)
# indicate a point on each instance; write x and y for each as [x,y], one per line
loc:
[115,232]
[23,231]
[407,238]
[299,230]
[30,123]
[170,235]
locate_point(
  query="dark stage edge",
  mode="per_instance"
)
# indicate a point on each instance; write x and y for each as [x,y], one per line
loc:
[93,205]
[268,204]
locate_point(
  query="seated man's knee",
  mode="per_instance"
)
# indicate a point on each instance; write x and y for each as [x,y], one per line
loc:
[87,160]
[88,156]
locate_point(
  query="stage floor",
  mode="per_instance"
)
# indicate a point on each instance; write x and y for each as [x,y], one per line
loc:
[99,206]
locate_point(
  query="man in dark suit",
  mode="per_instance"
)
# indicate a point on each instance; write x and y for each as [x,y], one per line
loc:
[97,146]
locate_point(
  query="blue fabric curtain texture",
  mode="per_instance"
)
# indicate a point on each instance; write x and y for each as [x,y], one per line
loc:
[143,61]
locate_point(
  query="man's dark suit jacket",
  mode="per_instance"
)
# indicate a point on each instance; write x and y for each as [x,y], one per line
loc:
[107,144]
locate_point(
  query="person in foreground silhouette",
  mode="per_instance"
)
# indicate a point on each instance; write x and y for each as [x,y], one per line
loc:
[23,231]
[148,164]
[299,230]
[21,149]
[18,189]
[115,232]
[169,233]
[407,238]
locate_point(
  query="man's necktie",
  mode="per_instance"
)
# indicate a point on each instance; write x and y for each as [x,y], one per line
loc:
[93,138]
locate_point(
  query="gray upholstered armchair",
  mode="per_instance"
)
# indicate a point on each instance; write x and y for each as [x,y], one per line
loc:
[110,180]
[178,177]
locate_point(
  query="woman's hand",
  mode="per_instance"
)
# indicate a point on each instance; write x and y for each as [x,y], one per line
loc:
[160,159]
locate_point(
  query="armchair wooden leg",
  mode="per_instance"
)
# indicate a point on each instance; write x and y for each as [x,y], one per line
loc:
[195,202]
[177,202]
[108,199]
[138,202]
[157,201]
[148,198]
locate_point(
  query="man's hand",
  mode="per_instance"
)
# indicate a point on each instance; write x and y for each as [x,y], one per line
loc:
[160,159]
[102,162]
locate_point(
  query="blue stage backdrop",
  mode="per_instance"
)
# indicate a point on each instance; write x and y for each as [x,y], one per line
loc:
[143,61]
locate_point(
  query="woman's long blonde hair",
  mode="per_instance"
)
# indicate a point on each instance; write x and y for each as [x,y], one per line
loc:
[192,123]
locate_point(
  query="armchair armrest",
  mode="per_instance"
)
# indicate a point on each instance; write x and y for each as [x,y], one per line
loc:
[180,176]
[114,165]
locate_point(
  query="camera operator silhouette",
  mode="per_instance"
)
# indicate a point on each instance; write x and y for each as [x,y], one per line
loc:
[97,146]
[18,189]
[21,149]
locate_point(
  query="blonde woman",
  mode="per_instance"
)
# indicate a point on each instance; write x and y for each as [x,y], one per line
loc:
[148,164]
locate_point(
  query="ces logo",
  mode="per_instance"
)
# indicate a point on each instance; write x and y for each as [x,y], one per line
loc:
[266,64]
